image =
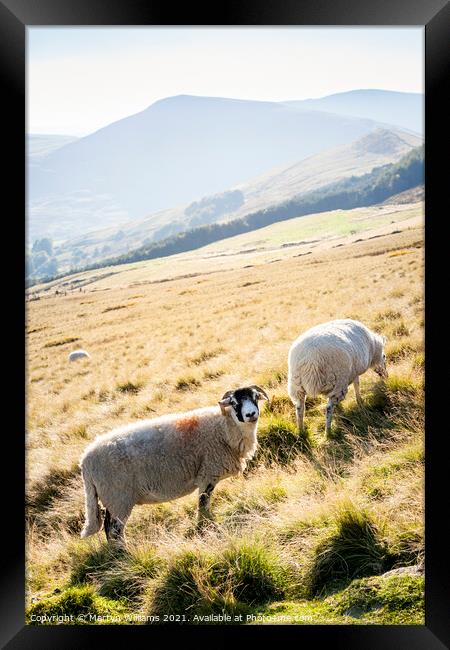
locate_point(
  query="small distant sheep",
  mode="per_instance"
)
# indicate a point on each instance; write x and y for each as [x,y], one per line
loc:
[165,458]
[328,358]
[79,354]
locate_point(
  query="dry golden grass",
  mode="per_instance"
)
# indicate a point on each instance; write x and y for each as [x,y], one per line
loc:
[181,344]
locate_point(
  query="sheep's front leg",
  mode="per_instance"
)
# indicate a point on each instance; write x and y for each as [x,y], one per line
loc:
[300,410]
[357,393]
[204,502]
[333,399]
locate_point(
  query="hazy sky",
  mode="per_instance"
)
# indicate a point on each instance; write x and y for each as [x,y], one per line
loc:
[80,79]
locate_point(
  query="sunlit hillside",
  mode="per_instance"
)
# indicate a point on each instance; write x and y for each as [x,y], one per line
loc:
[312,528]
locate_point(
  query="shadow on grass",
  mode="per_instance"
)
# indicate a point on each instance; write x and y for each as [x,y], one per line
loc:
[352,548]
[279,443]
[43,493]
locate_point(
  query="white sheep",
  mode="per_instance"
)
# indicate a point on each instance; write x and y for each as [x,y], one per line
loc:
[327,358]
[165,458]
[79,354]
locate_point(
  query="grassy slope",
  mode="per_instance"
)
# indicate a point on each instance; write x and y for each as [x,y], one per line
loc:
[285,239]
[276,186]
[302,534]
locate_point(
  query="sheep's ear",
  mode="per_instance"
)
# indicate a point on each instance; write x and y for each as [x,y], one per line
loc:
[383,338]
[260,393]
[225,401]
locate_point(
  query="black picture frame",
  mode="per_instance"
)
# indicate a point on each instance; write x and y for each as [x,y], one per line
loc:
[434,15]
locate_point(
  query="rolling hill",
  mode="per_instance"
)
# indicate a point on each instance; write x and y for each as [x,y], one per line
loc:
[351,192]
[281,184]
[177,150]
[404,110]
[39,145]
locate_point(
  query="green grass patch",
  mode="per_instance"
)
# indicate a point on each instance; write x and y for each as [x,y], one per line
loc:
[78,605]
[389,600]
[395,599]
[382,480]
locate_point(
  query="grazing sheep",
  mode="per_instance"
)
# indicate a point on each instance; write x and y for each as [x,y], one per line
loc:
[79,354]
[328,358]
[165,458]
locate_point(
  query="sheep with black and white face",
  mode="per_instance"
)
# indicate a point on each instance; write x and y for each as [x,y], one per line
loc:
[165,458]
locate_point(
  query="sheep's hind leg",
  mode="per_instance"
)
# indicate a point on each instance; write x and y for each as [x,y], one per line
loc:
[300,411]
[107,524]
[357,393]
[114,528]
[204,503]
[332,401]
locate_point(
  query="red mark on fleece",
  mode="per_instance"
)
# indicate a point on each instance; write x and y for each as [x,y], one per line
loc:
[187,426]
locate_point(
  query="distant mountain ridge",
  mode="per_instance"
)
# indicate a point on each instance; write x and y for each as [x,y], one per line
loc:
[404,110]
[175,151]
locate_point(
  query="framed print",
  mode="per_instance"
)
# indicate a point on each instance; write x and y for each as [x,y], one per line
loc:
[227,425]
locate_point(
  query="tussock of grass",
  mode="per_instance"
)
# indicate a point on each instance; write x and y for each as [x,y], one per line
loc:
[128,576]
[278,405]
[79,431]
[279,442]
[198,583]
[130,386]
[400,330]
[257,503]
[387,315]
[211,375]
[64,341]
[44,492]
[115,307]
[397,461]
[205,355]
[351,548]
[187,382]
[395,392]
[273,377]
[117,573]
[399,350]
[419,361]
[88,560]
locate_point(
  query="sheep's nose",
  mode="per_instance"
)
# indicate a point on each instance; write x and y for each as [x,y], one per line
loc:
[251,416]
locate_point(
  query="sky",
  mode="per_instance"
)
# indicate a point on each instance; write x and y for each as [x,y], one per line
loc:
[81,79]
